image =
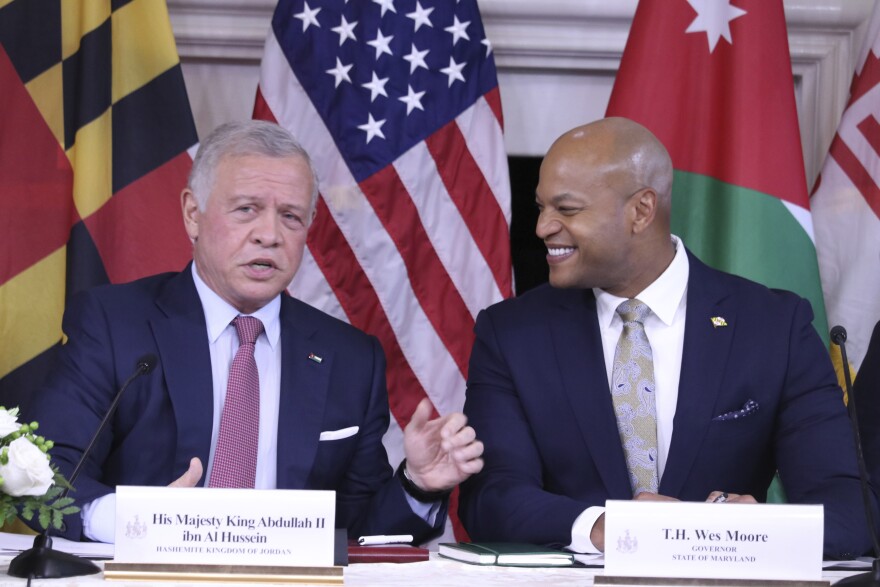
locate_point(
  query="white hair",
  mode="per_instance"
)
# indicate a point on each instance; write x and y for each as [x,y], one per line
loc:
[236,139]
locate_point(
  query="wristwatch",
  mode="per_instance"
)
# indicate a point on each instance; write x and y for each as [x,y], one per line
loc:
[415,491]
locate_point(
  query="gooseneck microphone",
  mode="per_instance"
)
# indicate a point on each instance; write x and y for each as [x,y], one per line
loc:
[144,365]
[871,578]
[40,561]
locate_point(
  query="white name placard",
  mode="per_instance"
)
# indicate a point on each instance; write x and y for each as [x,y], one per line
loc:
[713,540]
[197,525]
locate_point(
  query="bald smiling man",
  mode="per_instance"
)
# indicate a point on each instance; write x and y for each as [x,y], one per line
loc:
[641,373]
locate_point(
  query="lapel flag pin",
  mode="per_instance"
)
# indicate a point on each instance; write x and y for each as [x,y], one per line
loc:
[718,321]
[315,358]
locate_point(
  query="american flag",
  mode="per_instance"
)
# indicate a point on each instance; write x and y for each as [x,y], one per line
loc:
[397,102]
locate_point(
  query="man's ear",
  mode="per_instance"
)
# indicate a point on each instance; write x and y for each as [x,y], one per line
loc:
[644,210]
[190,208]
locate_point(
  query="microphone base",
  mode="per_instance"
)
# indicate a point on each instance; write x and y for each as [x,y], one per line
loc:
[869,579]
[41,562]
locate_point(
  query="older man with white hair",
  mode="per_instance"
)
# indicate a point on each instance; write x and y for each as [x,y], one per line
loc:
[253,388]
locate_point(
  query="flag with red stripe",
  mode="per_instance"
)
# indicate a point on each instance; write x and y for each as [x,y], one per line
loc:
[846,207]
[712,79]
[94,130]
[397,102]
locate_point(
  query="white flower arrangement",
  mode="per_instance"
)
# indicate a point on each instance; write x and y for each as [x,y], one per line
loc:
[29,484]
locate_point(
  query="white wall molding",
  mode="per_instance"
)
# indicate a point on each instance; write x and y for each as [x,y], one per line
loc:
[221,30]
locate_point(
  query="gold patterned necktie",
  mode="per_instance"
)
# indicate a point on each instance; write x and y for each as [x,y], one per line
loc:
[632,392]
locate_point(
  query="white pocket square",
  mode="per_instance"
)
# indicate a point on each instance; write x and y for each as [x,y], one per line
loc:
[339,434]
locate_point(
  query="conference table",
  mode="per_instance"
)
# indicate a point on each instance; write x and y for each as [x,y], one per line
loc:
[436,572]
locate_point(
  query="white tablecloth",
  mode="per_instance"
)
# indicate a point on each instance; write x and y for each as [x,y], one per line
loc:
[437,572]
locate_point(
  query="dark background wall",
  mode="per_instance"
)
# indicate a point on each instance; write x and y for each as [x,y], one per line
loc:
[528,251]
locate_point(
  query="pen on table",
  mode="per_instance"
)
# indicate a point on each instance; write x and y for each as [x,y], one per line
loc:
[721,498]
[382,539]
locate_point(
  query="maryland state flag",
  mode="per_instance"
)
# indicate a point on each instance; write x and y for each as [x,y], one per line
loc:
[846,208]
[94,130]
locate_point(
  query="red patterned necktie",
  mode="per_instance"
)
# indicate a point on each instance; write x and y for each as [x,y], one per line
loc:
[235,459]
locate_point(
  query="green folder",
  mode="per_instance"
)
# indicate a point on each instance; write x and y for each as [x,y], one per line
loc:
[511,554]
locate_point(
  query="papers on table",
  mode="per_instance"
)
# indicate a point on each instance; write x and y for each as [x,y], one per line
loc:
[857,564]
[12,544]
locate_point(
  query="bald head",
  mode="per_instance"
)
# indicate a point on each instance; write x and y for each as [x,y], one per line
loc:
[624,151]
[605,197]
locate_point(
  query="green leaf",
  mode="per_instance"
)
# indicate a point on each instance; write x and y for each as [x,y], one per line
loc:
[70,510]
[62,502]
[45,518]
[53,492]
[61,483]
[57,519]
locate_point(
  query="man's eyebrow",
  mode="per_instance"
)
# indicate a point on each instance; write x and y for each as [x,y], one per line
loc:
[238,198]
[556,199]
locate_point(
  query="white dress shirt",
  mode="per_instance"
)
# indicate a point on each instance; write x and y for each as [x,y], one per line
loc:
[223,344]
[664,327]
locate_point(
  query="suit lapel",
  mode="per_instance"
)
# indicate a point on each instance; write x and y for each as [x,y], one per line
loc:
[185,360]
[704,361]
[304,385]
[577,345]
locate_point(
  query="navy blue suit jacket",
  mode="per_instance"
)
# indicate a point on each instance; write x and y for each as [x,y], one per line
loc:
[165,418]
[866,388]
[539,400]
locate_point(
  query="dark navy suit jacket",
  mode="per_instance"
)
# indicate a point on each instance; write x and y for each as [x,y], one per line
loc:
[165,418]
[539,400]
[866,388]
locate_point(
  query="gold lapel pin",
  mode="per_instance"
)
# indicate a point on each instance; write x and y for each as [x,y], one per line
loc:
[718,321]
[315,358]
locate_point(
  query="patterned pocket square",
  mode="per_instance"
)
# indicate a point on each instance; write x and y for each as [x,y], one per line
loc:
[749,408]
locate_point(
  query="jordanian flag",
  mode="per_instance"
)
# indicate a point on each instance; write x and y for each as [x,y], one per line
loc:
[712,79]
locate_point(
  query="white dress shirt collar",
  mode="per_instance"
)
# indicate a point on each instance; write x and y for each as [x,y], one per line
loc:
[219,313]
[663,296]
